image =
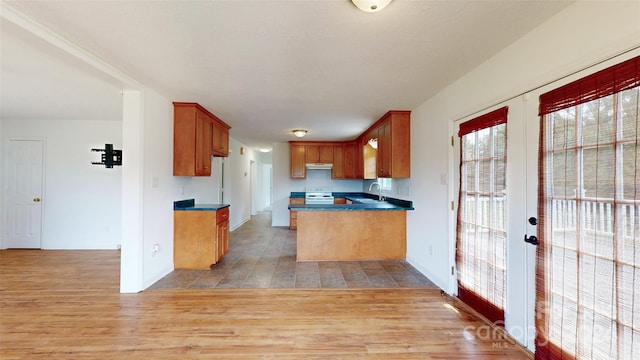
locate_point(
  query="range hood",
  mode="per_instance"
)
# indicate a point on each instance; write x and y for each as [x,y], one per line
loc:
[317,166]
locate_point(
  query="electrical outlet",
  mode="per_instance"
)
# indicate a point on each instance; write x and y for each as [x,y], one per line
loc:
[156,248]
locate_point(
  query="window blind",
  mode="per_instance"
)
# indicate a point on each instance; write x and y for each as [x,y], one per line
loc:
[588,265]
[481,235]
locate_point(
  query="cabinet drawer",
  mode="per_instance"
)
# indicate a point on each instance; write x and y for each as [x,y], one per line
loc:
[293,224]
[293,214]
[222,215]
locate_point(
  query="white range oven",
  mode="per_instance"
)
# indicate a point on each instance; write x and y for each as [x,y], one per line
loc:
[318,195]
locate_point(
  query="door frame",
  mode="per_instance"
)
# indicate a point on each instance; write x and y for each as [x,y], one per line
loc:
[4,183]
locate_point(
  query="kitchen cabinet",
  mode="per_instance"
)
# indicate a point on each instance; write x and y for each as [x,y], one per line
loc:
[200,238]
[344,161]
[393,157]
[293,215]
[357,159]
[197,134]
[298,162]
[222,232]
[339,200]
[192,128]
[220,138]
[319,153]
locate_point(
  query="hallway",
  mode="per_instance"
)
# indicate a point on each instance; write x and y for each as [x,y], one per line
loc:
[262,256]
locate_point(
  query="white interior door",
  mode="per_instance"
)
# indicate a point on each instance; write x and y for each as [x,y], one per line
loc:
[23,193]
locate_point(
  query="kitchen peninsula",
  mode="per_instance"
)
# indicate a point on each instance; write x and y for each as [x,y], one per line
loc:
[362,229]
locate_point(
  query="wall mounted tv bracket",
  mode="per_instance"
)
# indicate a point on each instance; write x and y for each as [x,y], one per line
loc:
[110,157]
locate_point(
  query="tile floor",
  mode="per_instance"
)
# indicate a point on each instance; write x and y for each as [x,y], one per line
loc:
[262,256]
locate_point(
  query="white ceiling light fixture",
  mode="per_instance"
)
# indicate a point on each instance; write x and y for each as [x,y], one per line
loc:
[265,150]
[371,5]
[299,133]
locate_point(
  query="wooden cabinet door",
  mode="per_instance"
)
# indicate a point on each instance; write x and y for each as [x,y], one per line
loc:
[312,153]
[337,172]
[224,141]
[298,169]
[222,237]
[220,142]
[319,154]
[384,150]
[204,129]
[325,154]
[194,242]
[349,160]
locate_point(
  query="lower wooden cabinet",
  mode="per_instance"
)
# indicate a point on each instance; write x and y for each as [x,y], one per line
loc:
[200,238]
[293,215]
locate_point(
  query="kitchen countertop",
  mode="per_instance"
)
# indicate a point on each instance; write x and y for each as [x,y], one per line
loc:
[362,201]
[189,205]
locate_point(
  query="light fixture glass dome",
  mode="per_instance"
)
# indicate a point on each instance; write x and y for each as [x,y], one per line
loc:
[299,133]
[371,5]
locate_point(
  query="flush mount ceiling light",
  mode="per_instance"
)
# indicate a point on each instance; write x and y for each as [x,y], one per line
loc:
[371,5]
[299,133]
[265,150]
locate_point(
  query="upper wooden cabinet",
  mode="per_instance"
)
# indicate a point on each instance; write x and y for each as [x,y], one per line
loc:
[197,134]
[298,165]
[322,154]
[220,138]
[357,159]
[393,158]
[192,129]
[344,161]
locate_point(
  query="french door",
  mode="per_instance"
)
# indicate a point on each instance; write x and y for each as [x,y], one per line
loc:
[481,221]
[588,270]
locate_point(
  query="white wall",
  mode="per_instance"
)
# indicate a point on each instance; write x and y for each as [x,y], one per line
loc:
[582,35]
[283,185]
[81,202]
[539,57]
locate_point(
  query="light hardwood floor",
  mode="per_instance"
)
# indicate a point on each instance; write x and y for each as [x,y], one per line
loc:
[66,305]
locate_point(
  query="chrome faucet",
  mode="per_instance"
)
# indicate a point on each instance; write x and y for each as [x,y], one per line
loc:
[379,190]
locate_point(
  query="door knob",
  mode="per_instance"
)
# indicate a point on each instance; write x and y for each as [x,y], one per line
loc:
[533,240]
[36,199]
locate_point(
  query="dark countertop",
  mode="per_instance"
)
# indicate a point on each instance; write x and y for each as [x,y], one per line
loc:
[189,205]
[362,201]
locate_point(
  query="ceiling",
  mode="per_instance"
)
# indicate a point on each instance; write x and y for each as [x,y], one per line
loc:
[264,67]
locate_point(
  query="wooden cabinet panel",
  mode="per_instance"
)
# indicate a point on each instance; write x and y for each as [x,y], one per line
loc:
[220,140]
[339,200]
[349,162]
[344,161]
[337,171]
[203,144]
[319,153]
[222,232]
[384,150]
[297,156]
[200,240]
